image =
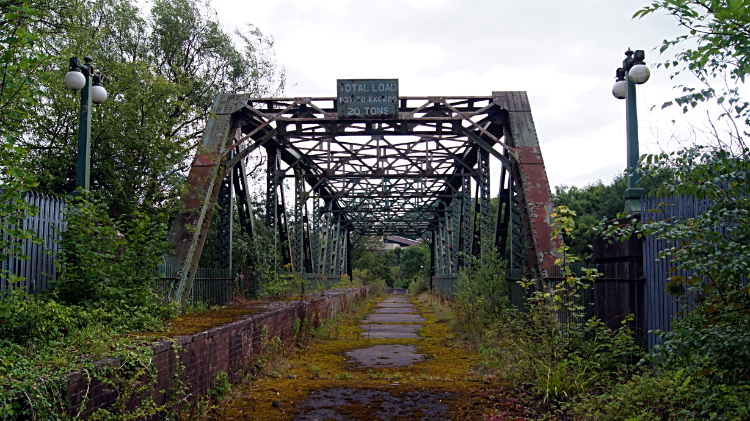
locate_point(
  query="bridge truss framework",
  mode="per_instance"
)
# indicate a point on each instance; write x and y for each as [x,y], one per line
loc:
[424,172]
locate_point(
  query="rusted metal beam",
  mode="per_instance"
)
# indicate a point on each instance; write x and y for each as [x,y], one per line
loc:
[530,177]
[188,232]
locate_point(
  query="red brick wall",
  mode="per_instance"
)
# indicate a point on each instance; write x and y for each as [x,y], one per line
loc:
[229,348]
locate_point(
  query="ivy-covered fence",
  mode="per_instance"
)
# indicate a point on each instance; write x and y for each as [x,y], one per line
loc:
[37,266]
[662,308]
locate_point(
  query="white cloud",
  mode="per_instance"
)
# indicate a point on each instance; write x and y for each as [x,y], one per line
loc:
[564,54]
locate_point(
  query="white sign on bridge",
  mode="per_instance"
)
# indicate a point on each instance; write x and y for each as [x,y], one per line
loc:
[367,98]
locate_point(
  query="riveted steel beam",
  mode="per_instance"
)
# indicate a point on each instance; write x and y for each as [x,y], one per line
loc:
[188,232]
[530,179]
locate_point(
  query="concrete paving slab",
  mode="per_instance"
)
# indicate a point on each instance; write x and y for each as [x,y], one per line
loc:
[345,404]
[386,356]
[391,331]
[395,305]
[395,310]
[394,318]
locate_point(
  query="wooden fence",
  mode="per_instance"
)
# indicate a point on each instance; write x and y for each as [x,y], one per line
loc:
[38,268]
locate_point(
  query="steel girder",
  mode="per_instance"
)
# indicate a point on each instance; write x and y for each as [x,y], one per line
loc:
[224,240]
[401,174]
[298,258]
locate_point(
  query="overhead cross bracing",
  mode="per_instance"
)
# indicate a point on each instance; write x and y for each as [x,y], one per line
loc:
[424,172]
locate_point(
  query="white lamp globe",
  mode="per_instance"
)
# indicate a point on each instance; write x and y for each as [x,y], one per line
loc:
[98,94]
[620,90]
[75,80]
[639,74]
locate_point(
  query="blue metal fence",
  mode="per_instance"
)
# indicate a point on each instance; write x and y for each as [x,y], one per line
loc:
[38,269]
[663,309]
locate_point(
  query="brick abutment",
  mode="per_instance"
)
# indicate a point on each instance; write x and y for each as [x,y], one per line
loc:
[230,348]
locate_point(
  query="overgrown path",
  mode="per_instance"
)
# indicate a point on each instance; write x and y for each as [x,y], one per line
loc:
[397,359]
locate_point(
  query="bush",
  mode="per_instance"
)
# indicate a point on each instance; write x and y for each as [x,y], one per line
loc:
[481,291]
[665,395]
[418,285]
[111,265]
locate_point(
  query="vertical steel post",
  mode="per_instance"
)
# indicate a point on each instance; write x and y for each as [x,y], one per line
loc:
[271,189]
[438,250]
[517,248]
[242,195]
[299,237]
[349,269]
[433,264]
[444,258]
[335,252]
[455,233]
[485,216]
[224,240]
[342,247]
[466,221]
[315,241]
[329,241]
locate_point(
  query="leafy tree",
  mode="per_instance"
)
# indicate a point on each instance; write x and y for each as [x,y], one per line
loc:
[23,26]
[716,49]
[162,72]
[592,203]
[371,257]
[366,244]
[415,261]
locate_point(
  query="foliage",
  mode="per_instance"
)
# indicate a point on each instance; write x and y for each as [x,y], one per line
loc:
[162,72]
[593,204]
[42,341]
[550,347]
[366,244]
[367,277]
[20,27]
[716,49]
[278,286]
[711,251]
[564,353]
[418,285]
[415,261]
[481,291]
[110,264]
[664,395]
[105,291]
[221,387]
[378,265]
[708,347]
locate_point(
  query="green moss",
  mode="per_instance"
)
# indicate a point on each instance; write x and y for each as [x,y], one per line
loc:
[449,367]
[189,324]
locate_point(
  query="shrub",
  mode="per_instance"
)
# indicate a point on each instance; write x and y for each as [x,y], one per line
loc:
[481,291]
[418,285]
[111,264]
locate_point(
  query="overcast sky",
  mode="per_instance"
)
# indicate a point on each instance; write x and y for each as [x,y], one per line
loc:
[563,53]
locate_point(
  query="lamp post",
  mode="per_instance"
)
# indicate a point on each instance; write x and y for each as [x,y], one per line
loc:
[81,77]
[633,72]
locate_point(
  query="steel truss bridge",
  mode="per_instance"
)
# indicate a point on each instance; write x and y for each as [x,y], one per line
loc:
[424,172]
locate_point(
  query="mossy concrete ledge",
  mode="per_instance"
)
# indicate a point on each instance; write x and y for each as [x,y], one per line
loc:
[230,348]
